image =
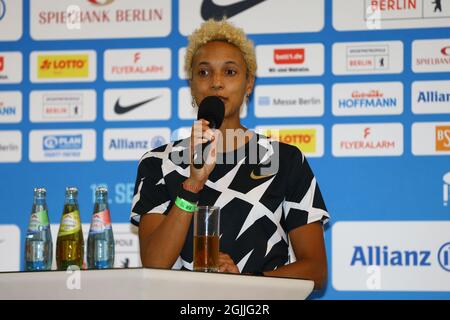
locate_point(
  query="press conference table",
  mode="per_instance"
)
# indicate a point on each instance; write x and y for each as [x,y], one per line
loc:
[145,283]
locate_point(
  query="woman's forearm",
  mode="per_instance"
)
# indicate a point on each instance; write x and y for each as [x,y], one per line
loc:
[305,269]
[161,248]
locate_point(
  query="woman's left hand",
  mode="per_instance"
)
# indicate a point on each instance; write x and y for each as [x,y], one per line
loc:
[226,264]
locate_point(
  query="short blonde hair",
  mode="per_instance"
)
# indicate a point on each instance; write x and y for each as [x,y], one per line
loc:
[212,30]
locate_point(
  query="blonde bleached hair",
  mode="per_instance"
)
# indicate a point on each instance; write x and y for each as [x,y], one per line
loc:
[212,30]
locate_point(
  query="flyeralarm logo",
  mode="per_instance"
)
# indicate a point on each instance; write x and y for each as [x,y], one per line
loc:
[367,139]
[289,56]
[63,66]
[137,64]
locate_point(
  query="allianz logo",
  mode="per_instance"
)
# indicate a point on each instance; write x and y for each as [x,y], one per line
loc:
[132,144]
[433,96]
[63,142]
[385,256]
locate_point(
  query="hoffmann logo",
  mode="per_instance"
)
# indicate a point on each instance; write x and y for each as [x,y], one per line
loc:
[289,56]
[63,66]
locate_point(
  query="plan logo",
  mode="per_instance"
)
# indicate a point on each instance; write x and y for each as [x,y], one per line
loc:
[63,142]
[62,145]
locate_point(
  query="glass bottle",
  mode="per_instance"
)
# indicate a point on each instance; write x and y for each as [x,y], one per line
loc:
[70,242]
[100,251]
[38,242]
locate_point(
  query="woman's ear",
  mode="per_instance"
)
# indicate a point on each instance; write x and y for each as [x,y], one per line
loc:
[250,85]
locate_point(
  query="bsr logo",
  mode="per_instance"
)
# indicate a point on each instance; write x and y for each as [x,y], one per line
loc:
[443,138]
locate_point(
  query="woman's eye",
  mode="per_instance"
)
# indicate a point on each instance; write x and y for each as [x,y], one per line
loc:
[203,72]
[230,72]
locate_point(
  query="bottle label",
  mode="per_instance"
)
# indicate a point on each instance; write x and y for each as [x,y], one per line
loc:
[70,223]
[100,222]
[38,221]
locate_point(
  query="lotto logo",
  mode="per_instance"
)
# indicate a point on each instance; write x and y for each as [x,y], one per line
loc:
[63,66]
[443,138]
[304,139]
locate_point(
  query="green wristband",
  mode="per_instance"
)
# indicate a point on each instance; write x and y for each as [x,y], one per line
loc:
[185,205]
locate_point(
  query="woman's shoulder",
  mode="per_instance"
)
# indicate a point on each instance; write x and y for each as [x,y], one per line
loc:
[280,148]
[164,151]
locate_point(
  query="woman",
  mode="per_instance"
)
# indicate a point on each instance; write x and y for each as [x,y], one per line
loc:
[271,207]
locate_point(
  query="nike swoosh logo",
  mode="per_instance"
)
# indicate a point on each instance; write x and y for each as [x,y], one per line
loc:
[119,109]
[211,10]
[255,177]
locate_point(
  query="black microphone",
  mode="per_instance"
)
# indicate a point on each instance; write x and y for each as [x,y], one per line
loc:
[211,109]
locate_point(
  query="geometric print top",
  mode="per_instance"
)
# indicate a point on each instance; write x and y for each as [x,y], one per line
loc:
[265,189]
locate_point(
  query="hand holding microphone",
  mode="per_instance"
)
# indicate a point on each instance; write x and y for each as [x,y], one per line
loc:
[212,110]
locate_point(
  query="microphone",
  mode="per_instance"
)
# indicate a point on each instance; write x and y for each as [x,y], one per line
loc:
[211,109]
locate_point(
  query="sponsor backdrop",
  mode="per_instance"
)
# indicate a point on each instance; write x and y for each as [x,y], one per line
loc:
[361,87]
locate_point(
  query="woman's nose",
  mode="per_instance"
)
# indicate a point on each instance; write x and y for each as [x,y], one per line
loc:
[217,82]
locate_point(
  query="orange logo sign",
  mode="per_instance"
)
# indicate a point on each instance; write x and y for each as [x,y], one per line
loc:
[443,138]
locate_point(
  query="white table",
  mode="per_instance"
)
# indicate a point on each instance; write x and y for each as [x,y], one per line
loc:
[144,283]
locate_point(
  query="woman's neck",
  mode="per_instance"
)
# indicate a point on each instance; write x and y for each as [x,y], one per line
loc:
[234,135]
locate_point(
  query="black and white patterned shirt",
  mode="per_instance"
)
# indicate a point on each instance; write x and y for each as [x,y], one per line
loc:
[262,198]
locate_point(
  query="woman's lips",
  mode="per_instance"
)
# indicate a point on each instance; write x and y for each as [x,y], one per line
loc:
[224,100]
